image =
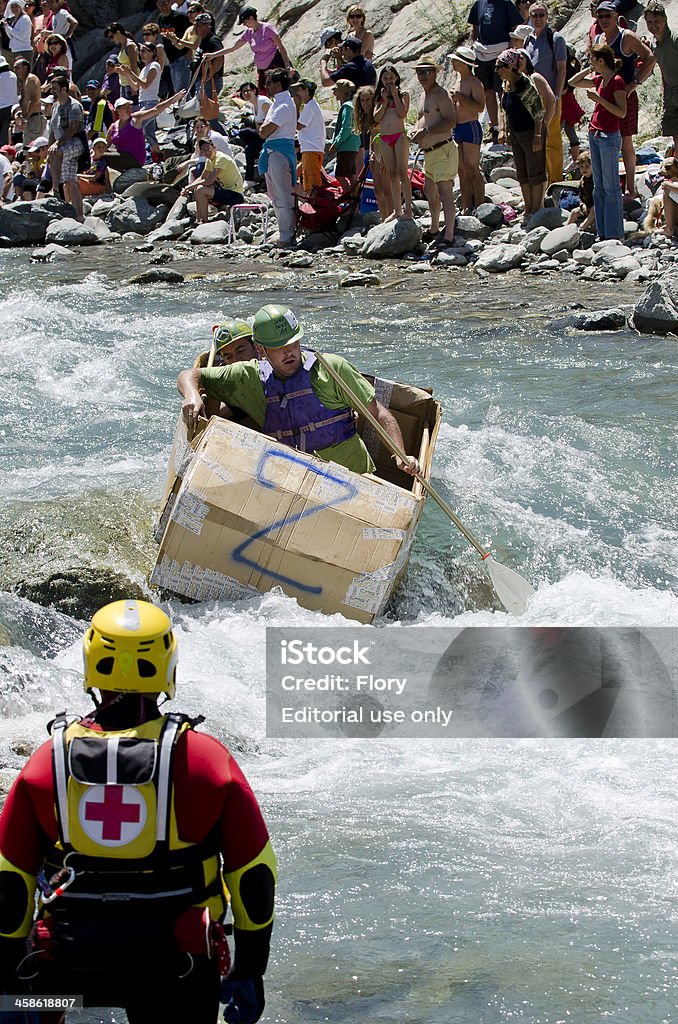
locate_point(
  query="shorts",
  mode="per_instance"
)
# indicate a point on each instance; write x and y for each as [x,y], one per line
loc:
[530,166]
[442,164]
[469,131]
[90,188]
[670,116]
[629,124]
[226,196]
[310,170]
[69,160]
[486,72]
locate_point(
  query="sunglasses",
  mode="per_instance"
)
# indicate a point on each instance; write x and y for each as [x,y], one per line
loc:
[538,14]
[422,72]
[355,17]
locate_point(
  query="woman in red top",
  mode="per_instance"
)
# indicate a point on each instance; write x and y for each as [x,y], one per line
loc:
[606,88]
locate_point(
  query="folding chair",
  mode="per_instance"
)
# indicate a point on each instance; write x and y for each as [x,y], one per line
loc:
[335,201]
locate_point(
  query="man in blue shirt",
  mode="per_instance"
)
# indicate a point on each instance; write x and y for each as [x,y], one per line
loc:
[548,52]
[355,67]
[491,21]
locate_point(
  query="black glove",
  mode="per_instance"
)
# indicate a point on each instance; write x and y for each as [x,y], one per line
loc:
[244,999]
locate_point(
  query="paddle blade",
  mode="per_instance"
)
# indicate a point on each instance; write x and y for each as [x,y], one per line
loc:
[512,590]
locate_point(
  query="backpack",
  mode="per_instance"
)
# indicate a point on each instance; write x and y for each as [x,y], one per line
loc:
[573,62]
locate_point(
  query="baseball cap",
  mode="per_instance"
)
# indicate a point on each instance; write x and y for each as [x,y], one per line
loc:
[203,19]
[93,84]
[328,33]
[245,13]
[606,6]
[9,151]
[122,102]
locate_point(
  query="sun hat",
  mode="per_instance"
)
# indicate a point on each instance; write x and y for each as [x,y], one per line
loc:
[523,32]
[466,55]
[427,62]
[328,33]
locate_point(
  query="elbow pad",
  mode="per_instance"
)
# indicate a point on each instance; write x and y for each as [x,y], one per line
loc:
[17,892]
[252,890]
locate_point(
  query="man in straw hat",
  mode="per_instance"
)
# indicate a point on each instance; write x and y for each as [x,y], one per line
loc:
[433,132]
[469,100]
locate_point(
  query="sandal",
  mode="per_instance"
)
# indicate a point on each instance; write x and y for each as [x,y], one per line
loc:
[439,244]
[429,236]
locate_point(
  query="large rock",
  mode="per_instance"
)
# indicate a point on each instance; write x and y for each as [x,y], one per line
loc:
[609,255]
[504,171]
[471,227]
[502,257]
[170,230]
[548,217]
[490,214]
[594,320]
[51,252]
[136,215]
[491,159]
[533,239]
[566,237]
[624,265]
[103,206]
[215,232]
[127,178]
[101,230]
[69,231]
[27,223]
[153,192]
[392,239]
[657,309]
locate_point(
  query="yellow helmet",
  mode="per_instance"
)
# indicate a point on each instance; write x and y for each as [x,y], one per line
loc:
[130,648]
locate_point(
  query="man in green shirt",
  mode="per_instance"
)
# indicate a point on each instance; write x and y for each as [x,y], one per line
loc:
[290,396]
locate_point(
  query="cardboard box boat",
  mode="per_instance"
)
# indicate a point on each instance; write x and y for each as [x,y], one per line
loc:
[243,514]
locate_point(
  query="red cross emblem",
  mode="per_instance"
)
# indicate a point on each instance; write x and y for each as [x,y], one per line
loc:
[112,815]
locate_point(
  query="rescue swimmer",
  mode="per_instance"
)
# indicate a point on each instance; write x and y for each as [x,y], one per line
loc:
[291,397]
[134,828]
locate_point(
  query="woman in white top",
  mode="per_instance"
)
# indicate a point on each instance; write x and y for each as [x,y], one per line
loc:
[19,29]
[9,95]
[148,84]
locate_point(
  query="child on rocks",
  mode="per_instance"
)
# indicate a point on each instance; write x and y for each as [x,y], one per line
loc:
[346,141]
[585,209]
[96,182]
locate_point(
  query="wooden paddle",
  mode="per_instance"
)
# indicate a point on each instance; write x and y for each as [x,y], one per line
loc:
[511,588]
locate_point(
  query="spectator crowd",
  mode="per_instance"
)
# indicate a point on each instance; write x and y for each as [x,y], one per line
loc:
[514,83]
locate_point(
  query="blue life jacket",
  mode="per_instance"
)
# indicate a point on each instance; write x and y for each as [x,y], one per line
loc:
[296,416]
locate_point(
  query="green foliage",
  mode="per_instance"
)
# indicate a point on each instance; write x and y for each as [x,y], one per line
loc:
[447,23]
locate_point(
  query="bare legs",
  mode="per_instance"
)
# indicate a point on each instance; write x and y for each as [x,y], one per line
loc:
[440,193]
[629,158]
[395,159]
[470,179]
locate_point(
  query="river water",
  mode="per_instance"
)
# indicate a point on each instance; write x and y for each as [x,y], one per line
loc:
[475,881]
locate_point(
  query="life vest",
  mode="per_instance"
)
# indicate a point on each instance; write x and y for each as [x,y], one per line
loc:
[296,416]
[117,824]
